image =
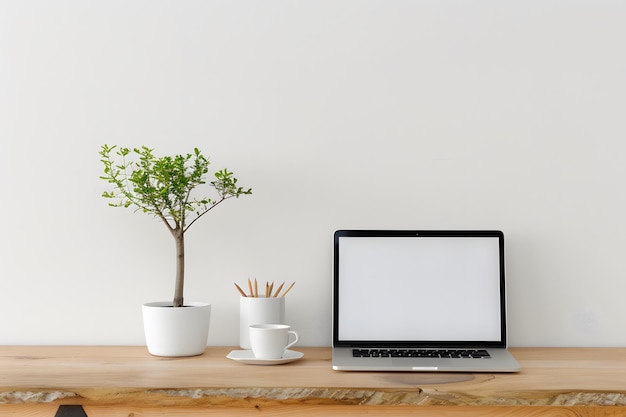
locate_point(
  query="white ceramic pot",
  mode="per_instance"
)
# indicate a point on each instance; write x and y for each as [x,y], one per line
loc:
[180,331]
[258,310]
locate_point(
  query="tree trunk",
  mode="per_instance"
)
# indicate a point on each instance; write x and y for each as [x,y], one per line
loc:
[179,237]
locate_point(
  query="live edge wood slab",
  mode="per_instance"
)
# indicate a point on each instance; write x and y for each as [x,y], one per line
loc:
[129,382]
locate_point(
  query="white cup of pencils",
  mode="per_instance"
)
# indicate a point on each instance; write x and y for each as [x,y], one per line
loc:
[260,304]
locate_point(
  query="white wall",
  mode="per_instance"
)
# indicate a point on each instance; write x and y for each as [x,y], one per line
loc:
[339,114]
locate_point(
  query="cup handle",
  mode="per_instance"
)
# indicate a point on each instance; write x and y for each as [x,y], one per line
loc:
[294,342]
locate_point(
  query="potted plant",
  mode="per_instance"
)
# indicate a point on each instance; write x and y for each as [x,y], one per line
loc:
[164,187]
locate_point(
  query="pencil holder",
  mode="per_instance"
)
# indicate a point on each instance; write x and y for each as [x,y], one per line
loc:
[258,310]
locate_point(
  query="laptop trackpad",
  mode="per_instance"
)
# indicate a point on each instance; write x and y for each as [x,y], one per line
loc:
[417,364]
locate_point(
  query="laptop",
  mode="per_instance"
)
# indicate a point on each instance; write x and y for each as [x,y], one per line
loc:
[420,300]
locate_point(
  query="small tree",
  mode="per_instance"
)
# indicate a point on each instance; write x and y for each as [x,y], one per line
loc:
[162,187]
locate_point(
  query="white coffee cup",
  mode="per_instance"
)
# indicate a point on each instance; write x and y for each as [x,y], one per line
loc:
[269,341]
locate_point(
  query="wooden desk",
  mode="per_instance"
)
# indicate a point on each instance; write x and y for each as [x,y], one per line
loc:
[127,381]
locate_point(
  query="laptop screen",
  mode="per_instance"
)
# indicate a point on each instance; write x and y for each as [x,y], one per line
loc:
[419,288]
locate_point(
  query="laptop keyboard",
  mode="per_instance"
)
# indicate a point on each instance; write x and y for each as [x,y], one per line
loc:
[421,353]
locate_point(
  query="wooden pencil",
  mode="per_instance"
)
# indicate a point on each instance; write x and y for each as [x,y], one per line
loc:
[243,294]
[250,288]
[279,288]
[287,290]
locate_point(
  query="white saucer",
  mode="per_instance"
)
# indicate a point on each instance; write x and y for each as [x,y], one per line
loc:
[246,356]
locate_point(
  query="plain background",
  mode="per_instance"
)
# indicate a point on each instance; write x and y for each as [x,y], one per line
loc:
[416,114]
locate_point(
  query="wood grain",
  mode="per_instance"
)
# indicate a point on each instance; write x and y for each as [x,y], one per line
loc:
[112,381]
[49,410]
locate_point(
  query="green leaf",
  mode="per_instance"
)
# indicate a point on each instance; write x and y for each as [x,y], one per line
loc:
[164,186]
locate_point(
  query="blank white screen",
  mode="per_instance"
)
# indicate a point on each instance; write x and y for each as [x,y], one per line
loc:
[419,289]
